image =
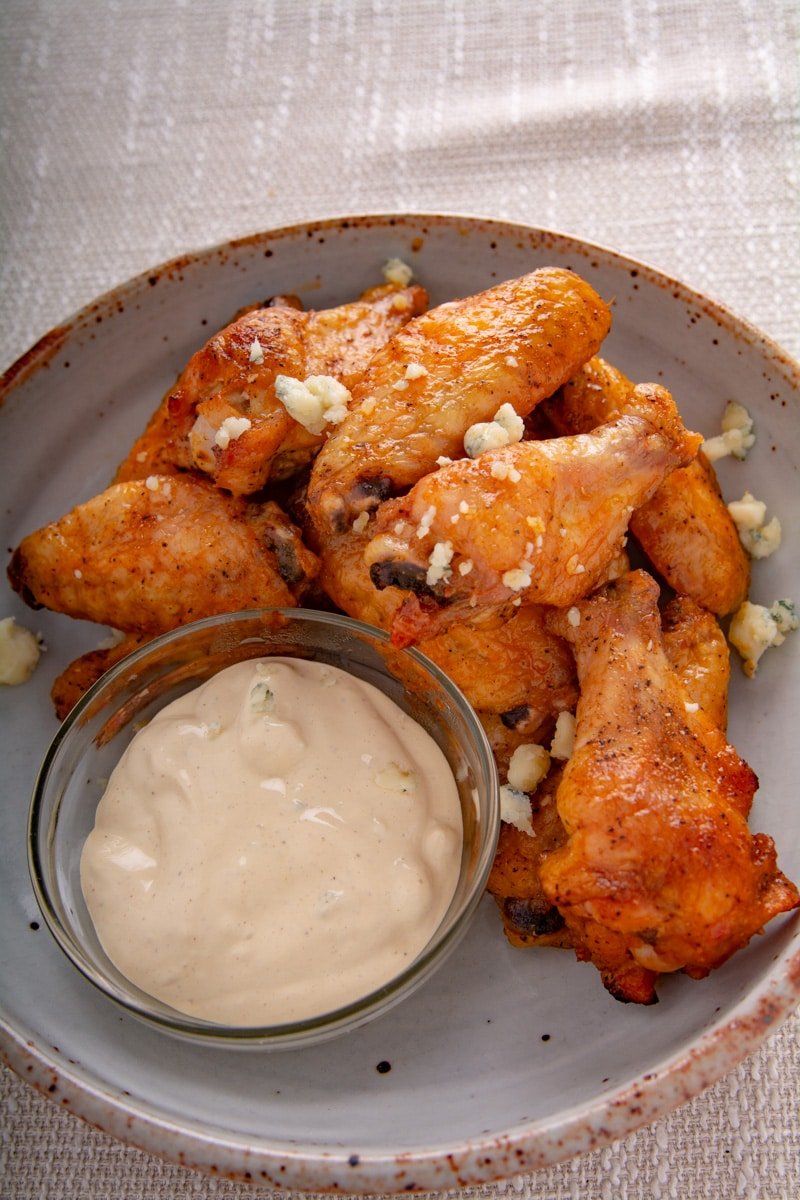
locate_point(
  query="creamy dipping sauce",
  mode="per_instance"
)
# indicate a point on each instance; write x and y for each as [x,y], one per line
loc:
[275,844]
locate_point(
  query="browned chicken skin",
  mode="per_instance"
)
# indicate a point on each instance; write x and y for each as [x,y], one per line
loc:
[688,534]
[233,376]
[545,530]
[697,652]
[500,660]
[146,557]
[82,672]
[660,872]
[684,528]
[508,664]
[453,366]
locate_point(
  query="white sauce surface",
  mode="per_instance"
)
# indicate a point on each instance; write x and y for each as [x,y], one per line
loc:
[275,844]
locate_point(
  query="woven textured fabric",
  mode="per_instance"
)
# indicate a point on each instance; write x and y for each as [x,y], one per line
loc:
[133,131]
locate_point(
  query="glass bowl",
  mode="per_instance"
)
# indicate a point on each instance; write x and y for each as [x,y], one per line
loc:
[97,731]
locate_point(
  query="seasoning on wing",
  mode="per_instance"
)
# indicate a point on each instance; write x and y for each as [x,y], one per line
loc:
[148,555]
[447,369]
[685,528]
[501,661]
[540,521]
[660,872]
[223,416]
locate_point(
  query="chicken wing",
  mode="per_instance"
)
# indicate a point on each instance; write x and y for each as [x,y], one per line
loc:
[232,380]
[452,367]
[660,872]
[79,675]
[688,534]
[502,661]
[145,557]
[540,521]
[685,528]
[697,652]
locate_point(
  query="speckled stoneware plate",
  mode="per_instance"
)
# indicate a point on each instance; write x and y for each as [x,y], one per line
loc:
[507,1060]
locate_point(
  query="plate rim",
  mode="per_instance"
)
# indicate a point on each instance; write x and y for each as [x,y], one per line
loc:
[50,342]
[475,1161]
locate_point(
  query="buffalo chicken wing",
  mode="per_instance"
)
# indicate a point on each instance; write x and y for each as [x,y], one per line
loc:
[660,871]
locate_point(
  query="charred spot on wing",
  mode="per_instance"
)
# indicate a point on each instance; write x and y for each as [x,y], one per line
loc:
[514,717]
[289,566]
[532,917]
[641,992]
[16,571]
[379,488]
[410,577]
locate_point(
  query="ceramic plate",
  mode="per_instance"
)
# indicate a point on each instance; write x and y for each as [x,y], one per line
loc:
[506,1060]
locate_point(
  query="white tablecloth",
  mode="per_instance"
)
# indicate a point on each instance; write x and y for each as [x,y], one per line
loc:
[132,131]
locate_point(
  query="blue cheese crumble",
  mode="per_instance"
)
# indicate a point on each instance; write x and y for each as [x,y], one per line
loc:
[428,517]
[754,628]
[395,778]
[759,537]
[563,741]
[19,652]
[515,809]
[505,428]
[398,272]
[231,430]
[528,766]
[439,563]
[262,697]
[415,370]
[519,578]
[737,436]
[314,402]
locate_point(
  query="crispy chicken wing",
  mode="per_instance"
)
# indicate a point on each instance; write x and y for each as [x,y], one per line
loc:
[452,367]
[660,872]
[221,376]
[233,378]
[146,557]
[685,528]
[502,661]
[697,652]
[79,675]
[537,520]
[688,534]
[510,665]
